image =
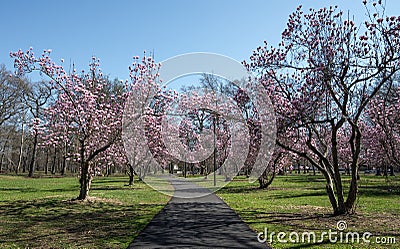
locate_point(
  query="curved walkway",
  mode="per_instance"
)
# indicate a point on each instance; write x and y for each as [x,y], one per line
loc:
[202,222]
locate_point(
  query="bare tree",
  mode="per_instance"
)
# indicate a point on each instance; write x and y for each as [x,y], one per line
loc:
[11,90]
[36,98]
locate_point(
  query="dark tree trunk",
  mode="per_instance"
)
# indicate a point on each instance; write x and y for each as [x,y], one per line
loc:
[46,165]
[391,170]
[24,164]
[332,199]
[339,192]
[1,163]
[64,159]
[263,180]
[352,195]
[33,158]
[378,171]
[85,181]
[53,165]
[108,170]
[2,158]
[355,142]
[21,150]
[2,154]
[131,175]
[64,166]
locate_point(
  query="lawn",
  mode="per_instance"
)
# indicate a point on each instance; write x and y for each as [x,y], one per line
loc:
[38,212]
[298,203]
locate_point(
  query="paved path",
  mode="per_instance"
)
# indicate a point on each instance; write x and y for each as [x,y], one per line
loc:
[201,222]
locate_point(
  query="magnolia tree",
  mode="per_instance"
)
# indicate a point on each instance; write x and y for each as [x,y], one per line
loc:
[84,113]
[204,127]
[321,77]
[188,128]
[373,154]
[279,158]
[385,122]
[142,118]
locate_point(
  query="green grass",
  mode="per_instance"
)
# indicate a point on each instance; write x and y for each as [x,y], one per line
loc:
[39,212]
[299,203]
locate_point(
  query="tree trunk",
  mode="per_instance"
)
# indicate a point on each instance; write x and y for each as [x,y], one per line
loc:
[263,180]
[332,198]
[53,165]
[131,175]
[352,196]
[64,159]
[2,158]
[46,165]
[33,158]
[24,164]
[331,193]
[2,154]
[391,170]
[355,142]
[108,170]
[64,166]
[21,149]
[378,171]
[85,181]
[339,192]
[1,161]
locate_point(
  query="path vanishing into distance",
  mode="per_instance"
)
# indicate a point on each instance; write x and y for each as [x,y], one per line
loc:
[200,222]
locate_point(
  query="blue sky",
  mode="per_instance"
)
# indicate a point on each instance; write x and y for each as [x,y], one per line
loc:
[115,31]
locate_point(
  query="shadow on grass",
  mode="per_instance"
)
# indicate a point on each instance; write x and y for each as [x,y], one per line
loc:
[379,190]
[278,191]
[304,178]
[287,195]
[238,189]
[264,217]
[121,180]
[46,222]
[94,187]
[33,190]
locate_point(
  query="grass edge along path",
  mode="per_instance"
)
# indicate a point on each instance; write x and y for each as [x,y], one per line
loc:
[298,203]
